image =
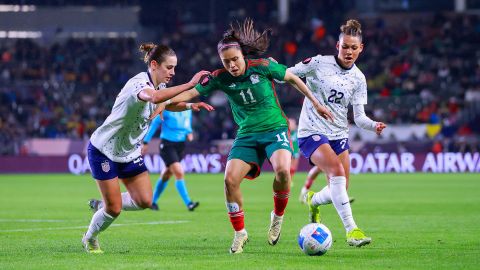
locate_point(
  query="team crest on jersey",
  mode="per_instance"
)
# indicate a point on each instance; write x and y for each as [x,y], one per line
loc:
[205,80]
[307,60]
[254,78]
[105,166]
[316,138]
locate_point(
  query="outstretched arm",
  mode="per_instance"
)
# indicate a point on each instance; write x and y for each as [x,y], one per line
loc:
[178,103]
[296,82]
[150,95]
[363,121]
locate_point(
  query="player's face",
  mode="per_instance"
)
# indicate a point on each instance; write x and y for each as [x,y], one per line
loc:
[233,61]
[349,47]
[164,72]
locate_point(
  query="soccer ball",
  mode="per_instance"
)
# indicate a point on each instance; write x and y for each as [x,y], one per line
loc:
[315,239]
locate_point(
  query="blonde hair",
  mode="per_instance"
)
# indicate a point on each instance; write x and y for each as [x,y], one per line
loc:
[351,28]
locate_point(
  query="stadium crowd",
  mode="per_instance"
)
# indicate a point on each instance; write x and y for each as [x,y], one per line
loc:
[422,70]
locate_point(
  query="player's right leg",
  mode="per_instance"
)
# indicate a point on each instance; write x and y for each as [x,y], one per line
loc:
[235,171]
[105,172]
[160,186]
[101,220]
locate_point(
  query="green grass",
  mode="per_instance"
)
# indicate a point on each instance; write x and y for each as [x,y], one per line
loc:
[417,221]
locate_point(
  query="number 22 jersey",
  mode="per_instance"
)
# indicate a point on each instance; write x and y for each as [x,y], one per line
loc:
[334,87]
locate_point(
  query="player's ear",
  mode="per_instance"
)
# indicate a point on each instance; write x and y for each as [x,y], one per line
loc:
[361,47]
[337,45]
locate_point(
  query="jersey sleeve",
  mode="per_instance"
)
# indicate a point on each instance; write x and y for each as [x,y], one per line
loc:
[136,85]
[302,69]
[359,96]
[156,122]
[277,71]
[207,85]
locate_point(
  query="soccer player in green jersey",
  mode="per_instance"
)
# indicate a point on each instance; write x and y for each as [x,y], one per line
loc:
[262,126]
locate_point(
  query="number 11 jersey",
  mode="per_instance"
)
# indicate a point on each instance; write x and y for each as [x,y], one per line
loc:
[252,97]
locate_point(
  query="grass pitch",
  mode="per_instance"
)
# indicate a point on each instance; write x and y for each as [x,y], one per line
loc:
[417,221]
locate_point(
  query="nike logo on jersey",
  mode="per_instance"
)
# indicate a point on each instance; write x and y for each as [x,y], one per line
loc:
[343,203]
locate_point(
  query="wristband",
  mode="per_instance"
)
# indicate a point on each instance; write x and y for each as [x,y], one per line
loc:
[189,106]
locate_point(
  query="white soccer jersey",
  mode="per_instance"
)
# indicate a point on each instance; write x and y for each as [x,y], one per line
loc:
[120,136]
[334,87]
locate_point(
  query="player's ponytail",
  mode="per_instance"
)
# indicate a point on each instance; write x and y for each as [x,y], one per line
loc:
[351,28]
[155,52]
[246,38]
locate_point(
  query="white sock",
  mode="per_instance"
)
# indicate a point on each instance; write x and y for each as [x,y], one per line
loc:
[338,190]
[322,197]
[128,204]
[100,221]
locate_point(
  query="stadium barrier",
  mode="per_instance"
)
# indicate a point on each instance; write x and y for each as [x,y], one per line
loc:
[381,162]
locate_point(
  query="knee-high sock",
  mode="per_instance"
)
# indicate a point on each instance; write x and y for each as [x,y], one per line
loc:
[338,189]
[128,204]
[280,200]
[238,220]
[100,221]
[182,190]
[159,188]
[322,197]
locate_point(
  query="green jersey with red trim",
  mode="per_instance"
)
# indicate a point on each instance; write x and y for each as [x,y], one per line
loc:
[252,96]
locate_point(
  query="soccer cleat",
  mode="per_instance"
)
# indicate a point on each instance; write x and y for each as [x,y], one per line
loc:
[94,205]
[357,237]
[91,245]
[303,196]
[192,205]
[154,207]
[275,228]
[239,240]
[313,210]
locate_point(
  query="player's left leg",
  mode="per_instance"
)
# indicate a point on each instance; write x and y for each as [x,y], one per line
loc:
[355,237]
[139,195]
[280,160]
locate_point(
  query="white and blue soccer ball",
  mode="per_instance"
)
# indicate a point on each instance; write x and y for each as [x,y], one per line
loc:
[315,239]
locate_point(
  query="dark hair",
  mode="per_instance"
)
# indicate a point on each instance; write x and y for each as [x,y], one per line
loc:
[351,28]
[246,38]
[155,52]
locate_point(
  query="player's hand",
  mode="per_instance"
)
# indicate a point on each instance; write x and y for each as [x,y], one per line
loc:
[158,111]
[190,137]
[199,75]
[379,127]
[272,59]
[202,105]
[323,111]
[144,149]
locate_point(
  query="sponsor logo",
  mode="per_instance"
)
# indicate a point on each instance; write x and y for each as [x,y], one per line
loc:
[106,166]
[139,161]
[316,138]
[254,78]
[232,85]
[307,60]
[343,203]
